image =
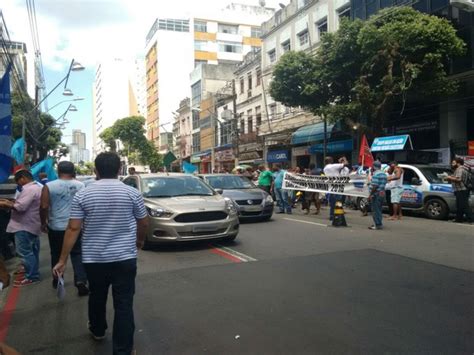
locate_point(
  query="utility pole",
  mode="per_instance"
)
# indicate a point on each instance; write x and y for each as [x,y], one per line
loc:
[234,109]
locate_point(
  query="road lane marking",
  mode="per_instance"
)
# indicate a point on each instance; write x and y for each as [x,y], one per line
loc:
[7,312]
[307,222]
[231,254]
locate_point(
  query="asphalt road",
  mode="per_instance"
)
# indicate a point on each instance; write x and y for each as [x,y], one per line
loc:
[289,286]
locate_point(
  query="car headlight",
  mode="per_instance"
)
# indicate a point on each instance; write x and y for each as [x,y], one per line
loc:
[230,206]
[268,200]
[159,212]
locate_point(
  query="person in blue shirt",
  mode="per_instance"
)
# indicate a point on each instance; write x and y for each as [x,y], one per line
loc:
[280,193]
[377,195]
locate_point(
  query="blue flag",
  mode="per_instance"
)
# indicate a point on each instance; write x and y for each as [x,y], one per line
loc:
[18,150]
[189,168]
[44,166]
[5,126]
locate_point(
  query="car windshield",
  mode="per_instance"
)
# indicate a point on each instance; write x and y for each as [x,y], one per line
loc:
[229,182]
[436,175]
[174,186]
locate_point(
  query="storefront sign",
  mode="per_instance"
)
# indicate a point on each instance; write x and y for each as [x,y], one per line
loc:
[299,151]
[470,148]
[383,144]
[353,185]
[224,155]
[332,147]
[195,159]
[278,156]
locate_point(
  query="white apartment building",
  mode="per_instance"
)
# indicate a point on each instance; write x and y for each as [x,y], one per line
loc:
[114,96]
[298,26]
[222,37]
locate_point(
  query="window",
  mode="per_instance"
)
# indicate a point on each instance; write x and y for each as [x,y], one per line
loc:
[322,27]
[200,45]
[249,80]
[249,121]
[242,123]
[200,26]
[344,13]
[259,77]
[303,3]
[272,56]
[232,29]
[256,32]
[242,84]
[285,46]
[303,37]
[196,94]
[173,25]
[273,109]
[408,175]
[131,182]
[258,116]
[196,142]
[195,114]
[230,47]
[198,62]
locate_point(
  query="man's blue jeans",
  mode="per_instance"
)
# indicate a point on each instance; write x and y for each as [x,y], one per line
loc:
[376,204]
[28,247]
[121,275]
[282,197]
[332,199]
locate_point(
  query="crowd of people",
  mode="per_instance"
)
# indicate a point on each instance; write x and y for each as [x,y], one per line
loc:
[384,184]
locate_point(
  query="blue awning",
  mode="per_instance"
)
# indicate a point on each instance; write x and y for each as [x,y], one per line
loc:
[311,133]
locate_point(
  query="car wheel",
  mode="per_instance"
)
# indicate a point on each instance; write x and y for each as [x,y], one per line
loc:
[146,246]
[436,208]
[230,238]
[362,202]
[266,219]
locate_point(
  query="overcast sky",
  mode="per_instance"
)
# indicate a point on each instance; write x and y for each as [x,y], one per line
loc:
[89,30]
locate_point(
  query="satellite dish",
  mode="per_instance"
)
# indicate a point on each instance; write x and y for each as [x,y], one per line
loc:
[226,115]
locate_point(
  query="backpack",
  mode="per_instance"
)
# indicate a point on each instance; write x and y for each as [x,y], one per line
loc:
[468,178]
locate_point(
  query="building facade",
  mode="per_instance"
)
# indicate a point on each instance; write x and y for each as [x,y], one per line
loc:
[221,38]
[15,52]
[113,96]
[299,27]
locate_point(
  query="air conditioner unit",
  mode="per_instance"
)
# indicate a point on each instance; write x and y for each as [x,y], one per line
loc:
[466,5]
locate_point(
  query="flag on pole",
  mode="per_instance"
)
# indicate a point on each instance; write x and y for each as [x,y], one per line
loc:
[44,166]
[17,151]
[365,155]
[5,126]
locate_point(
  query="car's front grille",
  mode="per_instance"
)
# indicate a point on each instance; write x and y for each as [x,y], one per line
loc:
[249,214]
[200,217]
[246,202]
[199,234]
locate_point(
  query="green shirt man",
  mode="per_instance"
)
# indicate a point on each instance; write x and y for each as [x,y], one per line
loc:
[265,179]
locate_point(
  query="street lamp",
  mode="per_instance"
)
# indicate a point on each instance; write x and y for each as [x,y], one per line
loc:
[61,102]
[71,108]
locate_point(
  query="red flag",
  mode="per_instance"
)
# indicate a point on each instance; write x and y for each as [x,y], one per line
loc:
[365,155]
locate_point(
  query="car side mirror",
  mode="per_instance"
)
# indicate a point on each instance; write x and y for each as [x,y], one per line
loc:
[415,181]
[219,191]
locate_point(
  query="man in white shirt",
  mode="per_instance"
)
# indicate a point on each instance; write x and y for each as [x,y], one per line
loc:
[332,169]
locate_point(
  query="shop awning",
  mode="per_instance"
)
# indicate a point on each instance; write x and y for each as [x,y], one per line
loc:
[311,133]
[391,143]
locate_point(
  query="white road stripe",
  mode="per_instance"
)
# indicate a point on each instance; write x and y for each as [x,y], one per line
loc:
[243,257]
[464,224]
[307,222]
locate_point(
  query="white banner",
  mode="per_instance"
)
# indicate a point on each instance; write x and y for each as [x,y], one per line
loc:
[352,185]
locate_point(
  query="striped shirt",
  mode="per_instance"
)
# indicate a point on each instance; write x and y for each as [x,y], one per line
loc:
[109,210]
[379,180]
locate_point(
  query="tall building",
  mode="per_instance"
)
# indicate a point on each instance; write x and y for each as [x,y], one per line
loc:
[116,95]
[16,53]
[79,138]
[223,37]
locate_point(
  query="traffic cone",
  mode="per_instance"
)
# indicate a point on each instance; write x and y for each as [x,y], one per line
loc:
[339,219]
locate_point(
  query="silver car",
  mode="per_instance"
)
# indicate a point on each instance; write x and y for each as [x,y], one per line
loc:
[252,202]
[183,208]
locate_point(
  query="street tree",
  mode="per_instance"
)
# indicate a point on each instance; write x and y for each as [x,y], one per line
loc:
[131,132]
[41,134]
[367,69]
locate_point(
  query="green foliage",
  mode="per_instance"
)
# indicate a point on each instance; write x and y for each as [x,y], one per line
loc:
[365,69]
[37,123]
[131,132]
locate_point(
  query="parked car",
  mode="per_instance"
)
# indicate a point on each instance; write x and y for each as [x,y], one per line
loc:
[252,202]
[425,190]
[183,208]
